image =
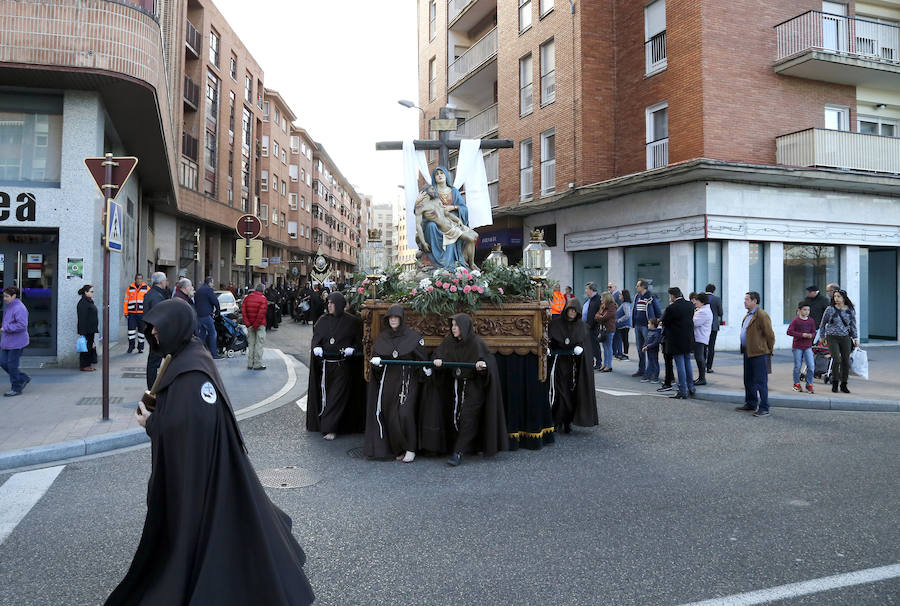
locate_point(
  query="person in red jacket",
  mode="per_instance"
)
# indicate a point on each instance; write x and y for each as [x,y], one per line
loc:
[253,309]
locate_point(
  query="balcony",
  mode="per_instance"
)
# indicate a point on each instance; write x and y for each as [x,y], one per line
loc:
[658,154]
[191,93]
[819,147]
[839,49]
[480,125]
[190,147]
[470,61]
[193,41]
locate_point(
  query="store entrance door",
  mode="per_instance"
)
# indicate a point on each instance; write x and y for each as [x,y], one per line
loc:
[28,260]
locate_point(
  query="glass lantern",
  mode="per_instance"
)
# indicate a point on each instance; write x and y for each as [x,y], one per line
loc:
[497,257]
[536,256]
[374,254]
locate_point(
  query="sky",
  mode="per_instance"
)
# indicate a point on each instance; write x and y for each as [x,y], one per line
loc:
[341,65]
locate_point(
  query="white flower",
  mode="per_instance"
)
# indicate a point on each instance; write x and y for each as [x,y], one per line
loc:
[424,283]
[408,276]
[475,273]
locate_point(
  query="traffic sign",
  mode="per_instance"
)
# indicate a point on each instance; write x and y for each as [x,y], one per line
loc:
[248,226]
[114,226]
[122,168]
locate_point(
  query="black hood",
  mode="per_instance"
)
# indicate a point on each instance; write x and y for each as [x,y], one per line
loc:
[175,322]
[340,303]
[464,321]
[395,311]
[572,304]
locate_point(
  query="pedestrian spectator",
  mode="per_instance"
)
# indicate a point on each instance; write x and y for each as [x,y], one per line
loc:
[133,309]
[715,306]
[159,288]
[253,310]
[803,329]
[623,326]
[817,304]
[645,306]
[651,351]
[838,333]
[832,288]
[207,304]
[13,340]
[588,311]
[184,291]
[557,303]
[88,326]
[569,294]
[703,321]
[606,325]
[677,319]
[757,342]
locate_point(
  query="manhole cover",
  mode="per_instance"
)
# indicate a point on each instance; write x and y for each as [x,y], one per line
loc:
[98,401]
[288,477]
[134,375]
[356,453]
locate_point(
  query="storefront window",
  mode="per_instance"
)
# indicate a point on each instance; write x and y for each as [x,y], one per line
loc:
[707,265]
[805,265]
[650,263]
[589,266]
[30,139]
[758,270]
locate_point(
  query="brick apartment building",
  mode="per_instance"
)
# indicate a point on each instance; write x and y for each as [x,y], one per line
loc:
[751,144]
[167,81]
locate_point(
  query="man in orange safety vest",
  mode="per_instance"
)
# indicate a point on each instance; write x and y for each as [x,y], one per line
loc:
[133,308]
[558,303]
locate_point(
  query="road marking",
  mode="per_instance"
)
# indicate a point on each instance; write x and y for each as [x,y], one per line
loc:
[783,592]
[613,392]
[289,385]
[302,403]
[20,493]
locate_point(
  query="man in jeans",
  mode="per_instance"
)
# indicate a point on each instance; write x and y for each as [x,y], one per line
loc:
[678,330]
[253,309]
[645,307]
[757,342]
[207,303]
[13,339]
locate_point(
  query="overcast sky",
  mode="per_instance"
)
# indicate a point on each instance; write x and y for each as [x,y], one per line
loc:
[341,66]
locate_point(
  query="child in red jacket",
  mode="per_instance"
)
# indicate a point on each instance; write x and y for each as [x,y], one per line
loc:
[803,329]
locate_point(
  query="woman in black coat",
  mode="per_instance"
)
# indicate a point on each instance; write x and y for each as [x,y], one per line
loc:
[88,326]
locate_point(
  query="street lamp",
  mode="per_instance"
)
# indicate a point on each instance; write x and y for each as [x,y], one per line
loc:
[410,105]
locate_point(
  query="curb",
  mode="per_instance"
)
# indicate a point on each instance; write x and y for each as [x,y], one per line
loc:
[804,401]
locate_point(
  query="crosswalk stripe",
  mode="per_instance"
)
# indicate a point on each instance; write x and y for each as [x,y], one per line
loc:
[20,493]
[613,392]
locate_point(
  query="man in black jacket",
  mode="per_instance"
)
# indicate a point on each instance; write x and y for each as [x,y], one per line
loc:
[589,310]
[817,302]
[158,285]
[715,305]
[678,322]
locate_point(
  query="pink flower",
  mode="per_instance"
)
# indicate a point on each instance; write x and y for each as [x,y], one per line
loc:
[430,288]
[438,283]
[480,289]
[467,289]
[447,286]
[455,281]
[452,289]
[360,290]
[500,290]
[365,283]
[413,291]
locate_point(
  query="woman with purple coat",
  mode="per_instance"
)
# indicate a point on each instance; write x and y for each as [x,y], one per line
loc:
[13,339]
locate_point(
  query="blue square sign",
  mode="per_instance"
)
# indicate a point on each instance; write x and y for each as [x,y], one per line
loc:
[115,226]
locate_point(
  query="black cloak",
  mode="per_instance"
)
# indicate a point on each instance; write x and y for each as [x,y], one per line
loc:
[463,409]
[211,535]
[394,390]
[342,378]
[572,394]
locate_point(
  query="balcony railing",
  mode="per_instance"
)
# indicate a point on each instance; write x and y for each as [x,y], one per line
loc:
[191,93]
[526,183]
[839,149]
[477,55]
[193,41]
[657,154]
[548,88]
[548,177]
[455,7]
[655,50]
[815,30]
[481,124]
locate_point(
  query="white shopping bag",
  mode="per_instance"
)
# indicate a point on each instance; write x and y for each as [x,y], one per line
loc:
[859,363]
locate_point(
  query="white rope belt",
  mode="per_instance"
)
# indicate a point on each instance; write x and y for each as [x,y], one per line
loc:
[324,393]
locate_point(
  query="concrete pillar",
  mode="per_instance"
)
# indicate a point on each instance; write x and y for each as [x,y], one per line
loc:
[615,263]
[735,279]
[681,266]
[774,285]
[850,274]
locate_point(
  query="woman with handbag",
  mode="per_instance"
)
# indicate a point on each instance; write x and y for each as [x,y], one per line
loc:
[606,321]
[88,326]
[838,332]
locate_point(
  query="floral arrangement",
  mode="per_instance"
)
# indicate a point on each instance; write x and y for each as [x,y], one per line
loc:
[445,291]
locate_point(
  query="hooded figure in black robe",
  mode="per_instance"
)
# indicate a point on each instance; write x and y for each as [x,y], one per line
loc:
[393,399]
[572,395]
[336,401]
[471,396]
[211,535]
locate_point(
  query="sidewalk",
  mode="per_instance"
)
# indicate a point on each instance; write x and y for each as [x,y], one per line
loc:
[726,384]
[58,415]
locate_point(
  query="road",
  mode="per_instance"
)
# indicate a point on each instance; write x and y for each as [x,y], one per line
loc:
[666,502]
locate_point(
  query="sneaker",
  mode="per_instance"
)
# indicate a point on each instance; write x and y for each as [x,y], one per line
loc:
[637,374]
[761,413]
[809,389]
[665,388]
[746,408]
[26,382]
[11,393]
[700,382]
[710,371]
[645,380]
[798,387]
[624,358]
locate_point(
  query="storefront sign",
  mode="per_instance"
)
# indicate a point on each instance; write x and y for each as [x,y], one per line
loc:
[506,237]
[274,260]
[25,211]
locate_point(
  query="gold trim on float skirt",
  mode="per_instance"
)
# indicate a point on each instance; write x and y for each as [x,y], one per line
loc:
[528,434]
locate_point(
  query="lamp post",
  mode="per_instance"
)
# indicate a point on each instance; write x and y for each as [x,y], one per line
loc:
[536,260]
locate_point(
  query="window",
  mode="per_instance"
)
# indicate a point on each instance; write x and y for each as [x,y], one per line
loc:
[275,148]
[872,125]
[264,213]
[548,162]
[210,162]
[189,174]
[546,6]
[232,71]
[525,169]
[212,97]
[657,135]
[231,99]
[248,88]
[806,264]
[548,72]
[432,19]
[264,146]
[295,144]
[293,170]
[292,230]
[283,156]
[283,187]
[655,36]
[837,117]
[292,201]
[524,15]
[214,47]
[245,174]
[30,138]
[526,96]
[432,79]
[246,128]
[264,180]
[303,202]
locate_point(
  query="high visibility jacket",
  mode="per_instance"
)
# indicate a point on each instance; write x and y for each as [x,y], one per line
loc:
[558,303]
[134,298]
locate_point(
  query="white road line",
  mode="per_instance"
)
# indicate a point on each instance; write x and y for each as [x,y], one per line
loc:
[289,385]
[20,493]
[869,575]
[302,403]
[613,392]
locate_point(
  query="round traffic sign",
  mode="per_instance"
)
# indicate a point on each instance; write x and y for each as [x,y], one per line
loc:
[248,226]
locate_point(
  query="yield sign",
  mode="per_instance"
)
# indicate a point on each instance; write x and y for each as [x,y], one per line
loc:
[122,168]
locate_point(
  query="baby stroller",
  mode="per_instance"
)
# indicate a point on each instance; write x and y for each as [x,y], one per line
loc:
[823,363]
[231,337]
